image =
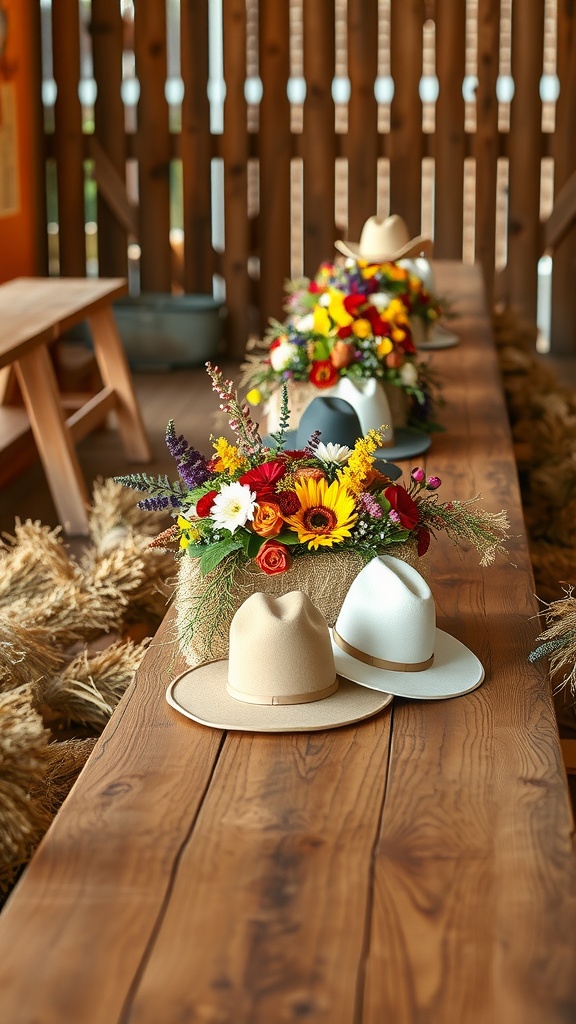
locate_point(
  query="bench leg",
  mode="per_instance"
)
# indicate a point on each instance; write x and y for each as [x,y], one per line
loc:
[55,447]
[116,374]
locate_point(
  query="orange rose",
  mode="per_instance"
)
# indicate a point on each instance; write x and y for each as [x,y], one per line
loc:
[342,354]
[273,558]
[267,521]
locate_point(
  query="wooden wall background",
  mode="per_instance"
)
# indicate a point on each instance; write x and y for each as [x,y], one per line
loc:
[324,122]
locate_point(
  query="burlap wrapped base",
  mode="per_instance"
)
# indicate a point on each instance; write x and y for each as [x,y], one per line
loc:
[325,578]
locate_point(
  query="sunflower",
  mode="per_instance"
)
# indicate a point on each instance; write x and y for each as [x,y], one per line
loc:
[326,515]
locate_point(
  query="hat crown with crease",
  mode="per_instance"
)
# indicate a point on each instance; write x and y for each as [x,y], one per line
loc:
[389,613]
[369,401]
[335,418]
[280,651]
[383,241]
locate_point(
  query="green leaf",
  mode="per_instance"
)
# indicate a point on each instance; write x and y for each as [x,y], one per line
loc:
[286,537]
[321,349]
[214,553]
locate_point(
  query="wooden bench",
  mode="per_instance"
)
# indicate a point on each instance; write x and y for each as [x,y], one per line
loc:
[416,868]
[34,313]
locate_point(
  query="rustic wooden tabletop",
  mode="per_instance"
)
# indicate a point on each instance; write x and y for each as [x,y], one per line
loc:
[417,867]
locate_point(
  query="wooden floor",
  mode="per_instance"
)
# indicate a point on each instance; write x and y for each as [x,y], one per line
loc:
[185,396]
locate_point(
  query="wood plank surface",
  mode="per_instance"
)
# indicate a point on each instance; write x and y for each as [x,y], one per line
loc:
[405,142]
[361,139]
[235,156]
[106,30]
[35,310]
[68,142]
[318,141]
[153,147]
[416,868]
[486,141]
[525,153]
[449,140]
[196,148]
[563,145]
[275,152]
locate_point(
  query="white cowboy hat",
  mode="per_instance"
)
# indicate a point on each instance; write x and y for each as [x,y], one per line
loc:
[369,399]
[437,336]
[385,637]
[385,241]
[279,675]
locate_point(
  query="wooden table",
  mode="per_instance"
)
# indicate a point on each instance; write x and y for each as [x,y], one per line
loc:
[34,312]
[416,868]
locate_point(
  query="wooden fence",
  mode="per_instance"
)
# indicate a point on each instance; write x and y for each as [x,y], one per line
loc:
[333,110]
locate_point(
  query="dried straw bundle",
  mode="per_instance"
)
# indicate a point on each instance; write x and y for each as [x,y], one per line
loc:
[54,609]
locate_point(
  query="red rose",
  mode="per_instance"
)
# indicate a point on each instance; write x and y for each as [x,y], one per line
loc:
[323,374]
[423,536]
[403,504]
[204,504]
[273,558]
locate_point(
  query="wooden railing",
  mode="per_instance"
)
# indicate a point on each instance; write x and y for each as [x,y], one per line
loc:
[264,196]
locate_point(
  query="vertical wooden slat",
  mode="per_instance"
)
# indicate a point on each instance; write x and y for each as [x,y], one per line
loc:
[525,151]
[361,144]
[319,140]
[68,142]
[107,29]
[153,146]
[275,147]
[196,142]
[235,155]
[562,333]
[405,143]
[449,140]
[485,143]
[37,138]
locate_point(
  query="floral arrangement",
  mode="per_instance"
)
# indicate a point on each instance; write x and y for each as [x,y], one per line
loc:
[354,319]
[265,505]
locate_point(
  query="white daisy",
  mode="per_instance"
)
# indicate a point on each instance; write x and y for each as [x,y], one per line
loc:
[233,506]
[337,453]
[282,355]
[381,300]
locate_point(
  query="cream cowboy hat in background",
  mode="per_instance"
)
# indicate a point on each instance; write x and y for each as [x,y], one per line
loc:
[279,675]
[385,241]
[385,637]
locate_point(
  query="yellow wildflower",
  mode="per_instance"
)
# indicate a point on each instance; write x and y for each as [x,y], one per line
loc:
[383,347]
[360,462]
[189,534]
[337,309]
[230,459]
[397,311]
[361,328]
[254,396]
[321,321]
[368,270]
[327,513]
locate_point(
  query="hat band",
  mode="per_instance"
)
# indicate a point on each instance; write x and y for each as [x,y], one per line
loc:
[369,659]
[289,698]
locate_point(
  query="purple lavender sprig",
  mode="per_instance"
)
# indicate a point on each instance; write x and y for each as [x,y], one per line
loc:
[192,466]
[249,440]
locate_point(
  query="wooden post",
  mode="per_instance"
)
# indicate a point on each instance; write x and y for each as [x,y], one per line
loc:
[362,139]
[69,142]
[485,141]
[449,141]
[563,327]
[405,143]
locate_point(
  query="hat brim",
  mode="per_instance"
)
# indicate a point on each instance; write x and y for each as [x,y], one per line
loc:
[408,441]
[454,671]
[419,246]
[200,694]
[439,337]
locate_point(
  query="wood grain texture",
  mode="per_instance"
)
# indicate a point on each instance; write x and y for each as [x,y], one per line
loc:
[485,140]
[361,140]
[153,146]
[318,142]
[69,146]
[564,151]
[275,152]
[417,868]
[449,141]
[405,142]
[235,156]
[525,153]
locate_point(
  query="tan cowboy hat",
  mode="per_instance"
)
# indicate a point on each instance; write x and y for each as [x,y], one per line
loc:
[386,637]
[279,675]
[384,241]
